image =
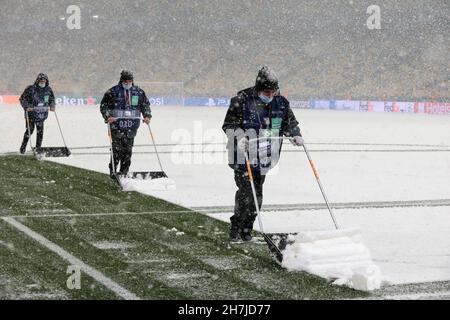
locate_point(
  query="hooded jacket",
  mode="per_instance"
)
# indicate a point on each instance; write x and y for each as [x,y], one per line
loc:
[37,98]
[126,109]
[248,116]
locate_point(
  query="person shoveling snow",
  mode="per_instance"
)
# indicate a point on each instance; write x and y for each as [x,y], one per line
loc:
[258,111]
[121,108]
[332,254]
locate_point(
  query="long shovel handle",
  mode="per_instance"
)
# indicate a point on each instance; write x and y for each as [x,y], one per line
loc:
[255,198]
[111,145]
[60,131]
[272,246]
[154,145]
[29,132]
[316,174]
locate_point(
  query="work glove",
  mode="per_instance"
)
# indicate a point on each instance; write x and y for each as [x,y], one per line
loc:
[243,144]
[297,141]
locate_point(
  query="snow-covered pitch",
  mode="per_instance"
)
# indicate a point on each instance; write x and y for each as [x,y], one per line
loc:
[388,163]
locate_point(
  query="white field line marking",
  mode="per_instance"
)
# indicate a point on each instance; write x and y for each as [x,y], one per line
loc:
[95,274]
[99,214]
[212,211]
[415,296]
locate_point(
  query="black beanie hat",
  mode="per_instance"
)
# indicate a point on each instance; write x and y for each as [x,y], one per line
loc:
[126,75]
[266,79]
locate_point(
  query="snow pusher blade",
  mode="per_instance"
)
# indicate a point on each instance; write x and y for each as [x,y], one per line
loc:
[146,175]
[129,181]
[299,244]
[40,152]
[277,242]
[145,181]
[53,152]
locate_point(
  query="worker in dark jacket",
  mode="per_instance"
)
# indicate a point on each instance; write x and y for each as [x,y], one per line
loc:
[256,118]
[121,107]
[36,100]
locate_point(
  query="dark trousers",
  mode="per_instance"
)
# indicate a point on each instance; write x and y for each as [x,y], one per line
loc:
[122,151]
[244,207]
[40,132]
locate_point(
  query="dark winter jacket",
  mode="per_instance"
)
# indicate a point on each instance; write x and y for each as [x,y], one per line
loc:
[128,111]
[40,99]
[249,116]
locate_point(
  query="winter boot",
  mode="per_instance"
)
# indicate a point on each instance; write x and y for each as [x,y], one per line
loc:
[246,234]
[235,234]
[112,173]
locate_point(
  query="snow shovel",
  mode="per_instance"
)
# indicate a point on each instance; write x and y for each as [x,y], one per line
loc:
[114,174]
[274,249]
[338,255]
[29,134]
[145,175]
[54,152]
[139,175]
[278,242]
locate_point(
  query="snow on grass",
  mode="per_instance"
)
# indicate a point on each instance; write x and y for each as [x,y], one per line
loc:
[8,245]
[409,244]
[174,230]
[112,245]
[222,263]
[151,261]
[49,211]
[154,236]
[176,276]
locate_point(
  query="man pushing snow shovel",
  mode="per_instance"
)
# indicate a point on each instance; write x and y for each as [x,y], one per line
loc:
[36,100]
[121,108]
[258,112]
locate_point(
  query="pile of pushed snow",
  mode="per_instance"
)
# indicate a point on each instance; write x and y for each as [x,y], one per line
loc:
[146,185]
[339,255]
